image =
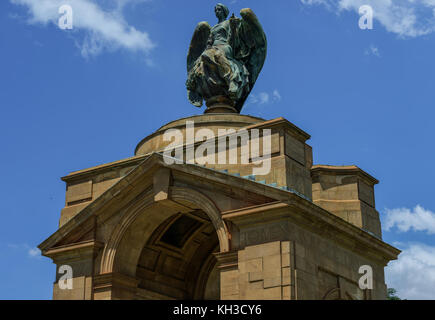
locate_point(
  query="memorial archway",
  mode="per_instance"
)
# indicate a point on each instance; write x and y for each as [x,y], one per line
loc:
[168,246]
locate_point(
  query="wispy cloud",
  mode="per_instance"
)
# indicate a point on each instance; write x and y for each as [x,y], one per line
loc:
[260,98]
[104,28]
[406,18]
[263,97]
[404,219]
[372,50]
[276,95]
[413,274]
[31,252]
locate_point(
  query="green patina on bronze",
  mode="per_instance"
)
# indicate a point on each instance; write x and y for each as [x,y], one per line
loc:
[224,61]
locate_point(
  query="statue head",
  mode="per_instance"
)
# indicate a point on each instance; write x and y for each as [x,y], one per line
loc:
[221,11]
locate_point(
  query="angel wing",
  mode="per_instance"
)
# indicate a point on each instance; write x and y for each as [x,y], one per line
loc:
[198,43]
[250,47]
[196,48]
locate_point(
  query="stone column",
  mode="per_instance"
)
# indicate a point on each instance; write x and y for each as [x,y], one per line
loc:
[77,260]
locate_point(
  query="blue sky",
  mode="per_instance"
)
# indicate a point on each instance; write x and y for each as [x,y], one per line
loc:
[73,99]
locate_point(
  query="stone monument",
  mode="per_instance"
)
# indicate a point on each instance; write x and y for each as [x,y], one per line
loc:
[159,226]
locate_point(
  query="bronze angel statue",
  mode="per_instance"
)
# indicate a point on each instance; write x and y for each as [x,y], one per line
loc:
[224,61]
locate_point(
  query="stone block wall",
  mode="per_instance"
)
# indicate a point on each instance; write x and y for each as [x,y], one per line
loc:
[347,192]
[85,186]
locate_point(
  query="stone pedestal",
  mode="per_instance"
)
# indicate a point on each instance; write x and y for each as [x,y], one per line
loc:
[143,228]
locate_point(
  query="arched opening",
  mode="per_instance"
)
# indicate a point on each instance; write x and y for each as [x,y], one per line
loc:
[168,247]
[177,262]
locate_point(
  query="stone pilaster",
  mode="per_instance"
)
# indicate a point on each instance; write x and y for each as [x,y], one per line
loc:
[114,286]
[228,266]
[79,259]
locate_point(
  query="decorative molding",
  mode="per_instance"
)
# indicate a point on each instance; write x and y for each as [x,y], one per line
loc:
[108,281]
[84,249]
[227,260]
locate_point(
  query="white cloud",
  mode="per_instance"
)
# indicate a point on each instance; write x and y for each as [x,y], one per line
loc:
[372,50]
[276,95]
[413,274]
[418,219]
[260,98]
[104,28]
[264,97]
[33,252]
[406,18]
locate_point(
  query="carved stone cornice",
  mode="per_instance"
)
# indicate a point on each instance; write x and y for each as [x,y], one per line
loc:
[317,220]
[344,170]
[75,251]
